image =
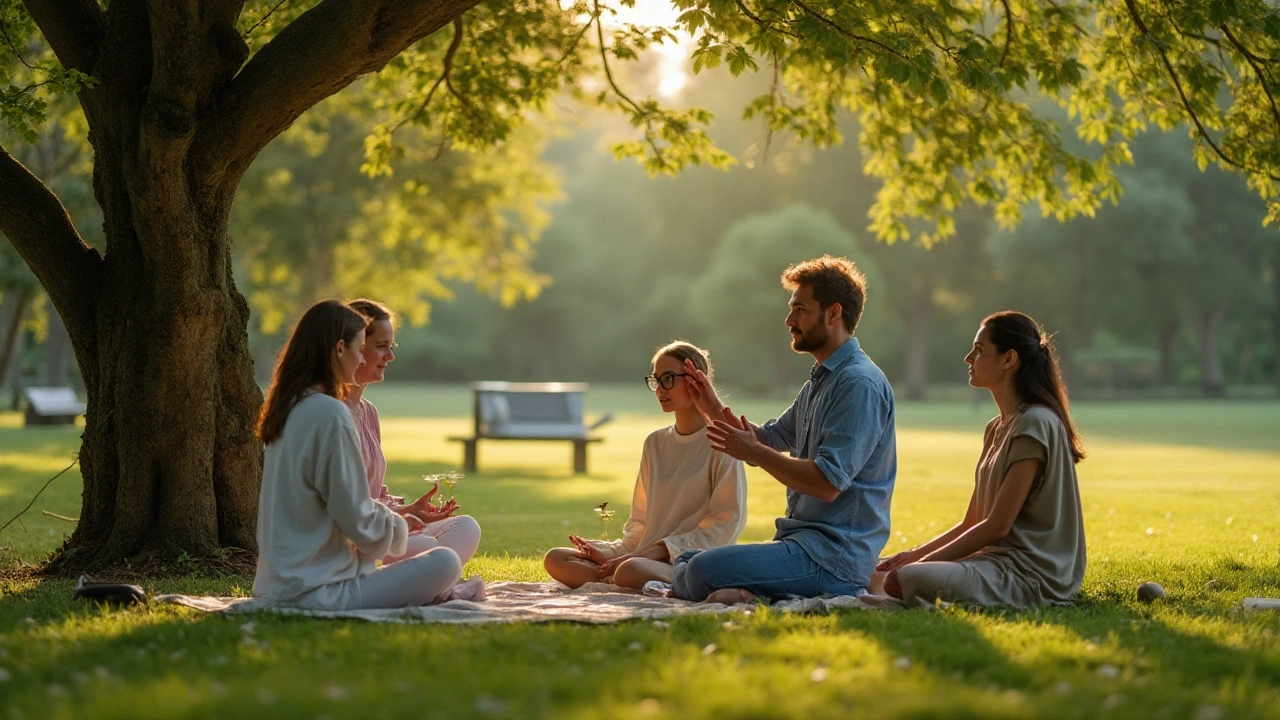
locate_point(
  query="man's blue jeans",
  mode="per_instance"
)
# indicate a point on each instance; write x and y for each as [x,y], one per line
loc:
[767,570]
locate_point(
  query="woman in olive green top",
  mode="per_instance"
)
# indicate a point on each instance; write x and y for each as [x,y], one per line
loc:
[1021,542]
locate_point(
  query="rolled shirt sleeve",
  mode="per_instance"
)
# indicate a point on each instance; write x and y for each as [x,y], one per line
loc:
[844,443]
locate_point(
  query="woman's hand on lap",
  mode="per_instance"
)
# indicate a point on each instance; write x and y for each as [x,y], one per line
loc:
[893,562]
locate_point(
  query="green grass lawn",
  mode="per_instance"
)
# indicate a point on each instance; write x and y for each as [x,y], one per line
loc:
[1184,493]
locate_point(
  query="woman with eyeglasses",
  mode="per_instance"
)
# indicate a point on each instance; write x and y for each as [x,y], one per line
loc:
[460,533]
[687,496]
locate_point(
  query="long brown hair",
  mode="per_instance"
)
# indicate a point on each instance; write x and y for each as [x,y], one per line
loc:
[308,360]
[1039,378]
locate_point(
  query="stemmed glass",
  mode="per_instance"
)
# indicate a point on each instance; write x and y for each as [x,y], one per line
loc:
[449,479]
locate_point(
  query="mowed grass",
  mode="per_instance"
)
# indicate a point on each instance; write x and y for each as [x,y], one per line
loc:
[1183,493]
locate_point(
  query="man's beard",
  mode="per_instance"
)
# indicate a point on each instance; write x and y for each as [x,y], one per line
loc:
[808,341]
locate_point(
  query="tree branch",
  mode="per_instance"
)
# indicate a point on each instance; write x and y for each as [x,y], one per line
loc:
[852,36]
[760,21]
[37,224]
[1182,96]
[454,44]
[73,29]
[1263,77]
[312,58]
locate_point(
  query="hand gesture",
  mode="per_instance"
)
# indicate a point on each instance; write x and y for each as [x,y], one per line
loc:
[588,551]
[734,437]
[609,567]
[415,525]
[893,562]
[702,392]
[428,513]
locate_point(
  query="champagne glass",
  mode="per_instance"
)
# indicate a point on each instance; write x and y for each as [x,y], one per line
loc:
[448,479]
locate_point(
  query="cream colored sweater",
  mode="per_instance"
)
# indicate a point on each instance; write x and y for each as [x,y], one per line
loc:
[316,523]
[687,496]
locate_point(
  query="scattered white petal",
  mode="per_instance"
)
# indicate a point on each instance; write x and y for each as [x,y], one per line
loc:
[902,663]
[565,523]
[335,692]
[249,641]
[818,675]
[709,649]
[491,705]
[266,697]
[661,623]
[55,690]
[218,660]
[80,678]
[1255,538]
[1109,671]
[1112,701]
[1230,520]
[1090,647]
[636,646]
[102,672]
[1209,712]
[249,626]
[177,654]
[4,675]
[1151,531]
[1063,687]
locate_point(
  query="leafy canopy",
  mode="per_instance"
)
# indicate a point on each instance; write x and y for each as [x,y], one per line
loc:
[950,96]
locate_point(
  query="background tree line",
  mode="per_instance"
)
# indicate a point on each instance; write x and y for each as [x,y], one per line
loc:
[1175,290]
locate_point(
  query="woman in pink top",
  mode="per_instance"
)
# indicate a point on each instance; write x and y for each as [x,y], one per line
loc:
[461,533]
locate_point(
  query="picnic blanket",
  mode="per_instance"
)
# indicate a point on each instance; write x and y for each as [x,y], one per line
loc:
[510,602]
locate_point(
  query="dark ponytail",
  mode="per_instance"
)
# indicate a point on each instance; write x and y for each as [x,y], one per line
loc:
[1039,378]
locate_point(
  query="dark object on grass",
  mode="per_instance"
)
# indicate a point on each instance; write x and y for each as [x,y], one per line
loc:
[110,593]
[1150,592]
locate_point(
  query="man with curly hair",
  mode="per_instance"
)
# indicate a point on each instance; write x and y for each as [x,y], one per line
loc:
[834,449]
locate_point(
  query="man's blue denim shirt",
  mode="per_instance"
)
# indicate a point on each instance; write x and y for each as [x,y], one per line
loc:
[843,420]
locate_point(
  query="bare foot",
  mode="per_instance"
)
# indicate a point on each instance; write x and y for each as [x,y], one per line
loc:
[730,596]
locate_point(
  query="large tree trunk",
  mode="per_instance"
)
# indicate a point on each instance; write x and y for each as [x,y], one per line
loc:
[159,331]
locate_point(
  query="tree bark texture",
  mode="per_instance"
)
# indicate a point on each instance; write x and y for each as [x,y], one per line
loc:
[159,331]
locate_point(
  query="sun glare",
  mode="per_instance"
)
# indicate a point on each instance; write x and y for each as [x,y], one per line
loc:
[673,58]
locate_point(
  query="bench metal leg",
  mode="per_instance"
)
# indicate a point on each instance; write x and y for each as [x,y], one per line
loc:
[579,457]
[468,456]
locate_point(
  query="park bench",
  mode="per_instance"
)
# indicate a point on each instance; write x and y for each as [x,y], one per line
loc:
[52,405]
[530,411]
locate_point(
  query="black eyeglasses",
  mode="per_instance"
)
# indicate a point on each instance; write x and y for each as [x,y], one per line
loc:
[666,380]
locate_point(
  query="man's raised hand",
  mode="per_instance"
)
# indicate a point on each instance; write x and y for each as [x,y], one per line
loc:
[734,436]
[702,392]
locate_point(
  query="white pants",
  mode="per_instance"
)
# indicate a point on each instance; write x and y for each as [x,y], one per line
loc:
[414,581]
[460,534]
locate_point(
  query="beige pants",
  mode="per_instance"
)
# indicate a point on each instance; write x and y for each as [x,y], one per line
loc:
[987,580]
